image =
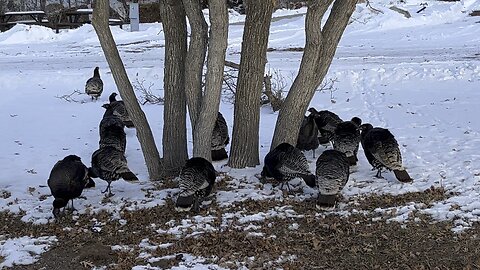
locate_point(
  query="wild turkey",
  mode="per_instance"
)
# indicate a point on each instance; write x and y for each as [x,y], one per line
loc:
[326,122]
[110,164]
[67,180]
[220,138]
[196,182]
[308,134]
[285,163]
[94,85]
[382,151]
[112,133]
[332,175]
[346,139]
[117,107]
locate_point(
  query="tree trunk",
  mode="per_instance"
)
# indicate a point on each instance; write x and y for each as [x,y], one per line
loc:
[320,48]
[144,133]
[195,58]
[43,4]
[244,150]
[175,111]
[202,134]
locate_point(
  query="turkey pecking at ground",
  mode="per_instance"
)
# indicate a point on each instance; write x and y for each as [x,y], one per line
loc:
[110,164]
[382,151]
[117,107]
[112,133]
[285,163]
[94,85]
[196,182]
[67,180]
[220,138]
[308,134]
[332,175]
[326,122]
[346,139]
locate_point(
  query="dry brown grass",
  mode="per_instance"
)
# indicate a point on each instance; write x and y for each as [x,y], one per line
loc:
[433,194]
[315,242]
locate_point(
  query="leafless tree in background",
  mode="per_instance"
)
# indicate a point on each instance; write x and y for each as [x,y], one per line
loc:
[321,44]
[175,110]
[217,47]
[245,138]
[203,108]
[195,59]
[144,133]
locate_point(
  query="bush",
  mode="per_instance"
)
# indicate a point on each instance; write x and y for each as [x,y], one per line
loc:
[150,12]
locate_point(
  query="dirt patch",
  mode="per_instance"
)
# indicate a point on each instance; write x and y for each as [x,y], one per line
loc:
[74,256]
[428,196]
[308,239]
[295,49]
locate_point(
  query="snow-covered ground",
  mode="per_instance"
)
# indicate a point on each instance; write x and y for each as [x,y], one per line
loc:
[419,77]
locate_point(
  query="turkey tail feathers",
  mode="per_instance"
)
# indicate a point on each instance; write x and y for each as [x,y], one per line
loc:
[310,180]
[402,176]
[184,203]
[352,160]
[326,202]
[219,154]
[129,176]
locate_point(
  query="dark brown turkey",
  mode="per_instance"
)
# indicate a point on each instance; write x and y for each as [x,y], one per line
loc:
[196,181]
[382,151]
[67,180]
[110,164]
[346,139]
[112,133]
[326,122]
[308,134]
[332,175]
[284,163]
[94,85]
[220,138]
[117,107]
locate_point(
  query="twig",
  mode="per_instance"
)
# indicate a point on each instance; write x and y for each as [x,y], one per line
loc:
[273,84]
[275,99]
[328,85]
[232,64]
[401,11]
[422,9]
[230,86]
[147,95]
[372,8]
[69,97]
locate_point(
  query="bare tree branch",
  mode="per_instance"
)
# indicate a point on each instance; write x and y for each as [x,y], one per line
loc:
[69,98]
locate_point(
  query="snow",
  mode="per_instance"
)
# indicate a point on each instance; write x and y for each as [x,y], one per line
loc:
[24,12]
[23,250]
[419,77]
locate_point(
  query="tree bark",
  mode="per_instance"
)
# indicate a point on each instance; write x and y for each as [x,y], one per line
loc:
[245,138]
[43,4]
[202,134]
[144,133]
[320,48]
[175,111]
[195,58]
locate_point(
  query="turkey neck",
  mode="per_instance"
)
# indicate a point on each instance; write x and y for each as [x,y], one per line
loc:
[96,73]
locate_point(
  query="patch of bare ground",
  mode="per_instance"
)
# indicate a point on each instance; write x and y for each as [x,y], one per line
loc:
[427,197]
[293,49]
[308,240]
